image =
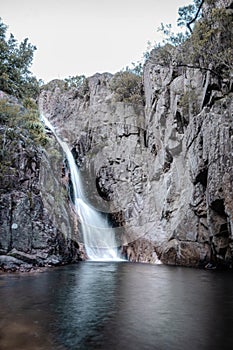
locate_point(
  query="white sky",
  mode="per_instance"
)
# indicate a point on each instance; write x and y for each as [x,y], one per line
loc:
[75,37]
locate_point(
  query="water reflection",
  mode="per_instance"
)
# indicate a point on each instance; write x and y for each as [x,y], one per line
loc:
[85,309]
[93,306]
[24,313]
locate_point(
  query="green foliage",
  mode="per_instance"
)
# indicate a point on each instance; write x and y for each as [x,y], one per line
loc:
[74,81]
[136,68]
[84,90]
[164,50]
[21,130]
[29,103]
[188,13]
[78,82]
[15,60]
[33,123]
[127,87]
[211,43]
[169,37]
[8,113]
[16,118]
[165,54]
[53,84]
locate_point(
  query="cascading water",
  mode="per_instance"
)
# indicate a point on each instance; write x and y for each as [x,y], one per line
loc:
[98,236]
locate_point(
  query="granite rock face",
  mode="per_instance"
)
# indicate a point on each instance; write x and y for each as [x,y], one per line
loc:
[108,140]
[190,132]
[162,172]
[160,169]
[189,123]
[36,230]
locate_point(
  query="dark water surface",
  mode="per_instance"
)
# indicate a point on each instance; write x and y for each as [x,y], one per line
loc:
[117,306]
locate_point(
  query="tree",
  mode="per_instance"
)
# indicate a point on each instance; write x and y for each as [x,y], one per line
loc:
[15,61]
[211,41]
[189,14]
[207,42]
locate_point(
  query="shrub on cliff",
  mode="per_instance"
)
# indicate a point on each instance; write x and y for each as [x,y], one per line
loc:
[74,81]
[25,122]
[79,84]
[127,87]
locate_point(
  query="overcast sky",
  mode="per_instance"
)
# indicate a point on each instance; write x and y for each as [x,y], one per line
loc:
[75,37]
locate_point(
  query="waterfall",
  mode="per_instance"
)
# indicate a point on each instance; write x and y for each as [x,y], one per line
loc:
[98,236]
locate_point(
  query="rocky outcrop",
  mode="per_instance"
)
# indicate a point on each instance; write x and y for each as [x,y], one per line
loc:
[157,165]
[162,173]
[189,124]
[37,228]
[108,140]
[192,136]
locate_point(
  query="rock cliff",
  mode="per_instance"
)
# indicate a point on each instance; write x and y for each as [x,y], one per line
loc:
[37,228]
[163,173]
[161,169]
[192,175]
[108,140]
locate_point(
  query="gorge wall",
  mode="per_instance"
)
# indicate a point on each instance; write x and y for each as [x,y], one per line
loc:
[160,168]
[37,227]
[163,171]
[108,140]
[189,123]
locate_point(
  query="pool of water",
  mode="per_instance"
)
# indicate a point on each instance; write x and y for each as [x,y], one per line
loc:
[104,305]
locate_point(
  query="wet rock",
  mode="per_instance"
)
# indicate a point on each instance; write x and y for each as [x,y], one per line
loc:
[11,264]
[21,256]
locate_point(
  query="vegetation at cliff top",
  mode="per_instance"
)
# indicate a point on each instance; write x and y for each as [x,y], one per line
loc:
[74,81]
[15,61]
[206,46]
[204,43]
[127,87]
[207,39]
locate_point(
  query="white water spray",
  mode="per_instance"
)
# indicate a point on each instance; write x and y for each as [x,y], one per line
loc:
[98,236]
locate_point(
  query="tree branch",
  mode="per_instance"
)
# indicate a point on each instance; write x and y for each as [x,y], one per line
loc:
[199,67]
[194,19]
